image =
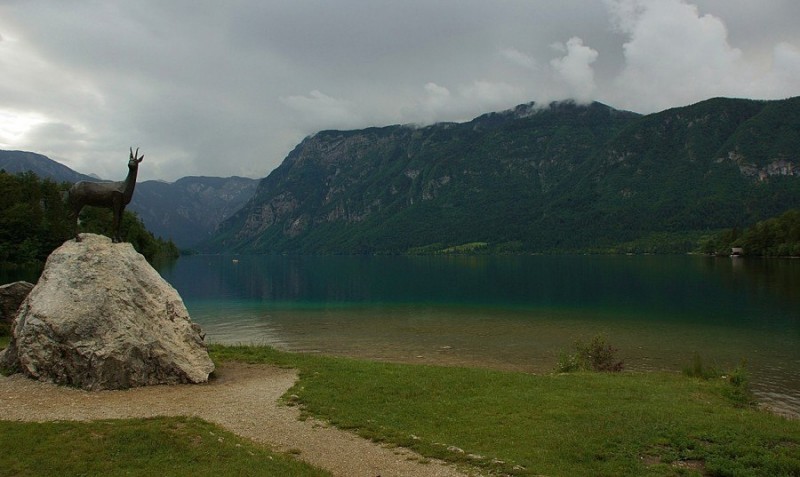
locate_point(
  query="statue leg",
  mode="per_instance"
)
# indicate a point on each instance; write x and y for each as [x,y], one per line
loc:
[115,228]
[76,211]
[118,209]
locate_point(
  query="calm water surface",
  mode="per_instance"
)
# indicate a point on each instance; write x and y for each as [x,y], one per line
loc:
[509,312]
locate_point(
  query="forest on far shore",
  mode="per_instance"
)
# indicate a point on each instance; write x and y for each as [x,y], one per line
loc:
[775,237]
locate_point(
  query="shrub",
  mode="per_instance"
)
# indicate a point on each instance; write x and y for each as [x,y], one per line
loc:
[596,355]
[697,369]
[739,391]
[738,380]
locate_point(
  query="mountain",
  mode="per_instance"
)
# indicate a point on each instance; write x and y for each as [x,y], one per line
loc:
[186,211]
[189,209]
[536,178]
[15,162]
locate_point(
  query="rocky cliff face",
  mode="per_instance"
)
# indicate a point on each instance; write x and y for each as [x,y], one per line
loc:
[397,187]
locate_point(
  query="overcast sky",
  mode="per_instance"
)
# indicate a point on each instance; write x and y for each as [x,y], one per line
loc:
[206,87]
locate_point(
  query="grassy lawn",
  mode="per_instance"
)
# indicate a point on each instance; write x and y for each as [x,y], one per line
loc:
[169,446]
[614,424]
[570,424]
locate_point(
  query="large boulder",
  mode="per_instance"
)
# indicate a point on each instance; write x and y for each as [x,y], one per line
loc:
[101,317]
[11,296]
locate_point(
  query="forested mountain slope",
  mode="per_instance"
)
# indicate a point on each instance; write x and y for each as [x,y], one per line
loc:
[559,178]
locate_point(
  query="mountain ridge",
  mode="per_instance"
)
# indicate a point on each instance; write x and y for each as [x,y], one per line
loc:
[15,162]
[555,178]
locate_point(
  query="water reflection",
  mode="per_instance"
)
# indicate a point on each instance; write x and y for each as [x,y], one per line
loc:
[682,286]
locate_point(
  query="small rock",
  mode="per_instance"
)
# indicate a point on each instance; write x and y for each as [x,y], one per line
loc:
[11,297]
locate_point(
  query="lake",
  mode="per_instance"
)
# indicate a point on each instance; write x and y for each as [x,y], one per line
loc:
[514,313]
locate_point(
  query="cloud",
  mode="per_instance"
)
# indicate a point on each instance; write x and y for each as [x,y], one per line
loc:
[436,99]
[320,109]
[576,70]
[469,100]
[15,124]
[624,14]
[676,55]
[519,58]
[437,94]
[489,94]
[785,71]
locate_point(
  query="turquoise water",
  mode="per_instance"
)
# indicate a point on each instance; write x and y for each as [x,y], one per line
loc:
[510,312]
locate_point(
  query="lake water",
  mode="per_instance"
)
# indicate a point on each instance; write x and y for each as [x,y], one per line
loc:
[513,313]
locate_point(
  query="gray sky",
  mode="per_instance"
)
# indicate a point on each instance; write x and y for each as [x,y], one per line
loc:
[206,87]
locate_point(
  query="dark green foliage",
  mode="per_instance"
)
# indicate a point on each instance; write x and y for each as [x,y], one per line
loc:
[775,237]
[100,220]
[596,355]
[34,221]
[560,178]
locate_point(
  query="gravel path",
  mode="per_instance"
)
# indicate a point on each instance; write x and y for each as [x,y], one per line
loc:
[243,398]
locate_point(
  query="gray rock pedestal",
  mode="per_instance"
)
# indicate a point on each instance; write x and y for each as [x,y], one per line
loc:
[101,317]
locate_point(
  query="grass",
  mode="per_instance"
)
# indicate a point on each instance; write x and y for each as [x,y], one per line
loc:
[174,446]
[583,423]
[648,424]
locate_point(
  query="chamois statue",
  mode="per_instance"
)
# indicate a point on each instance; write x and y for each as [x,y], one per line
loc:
[111,195]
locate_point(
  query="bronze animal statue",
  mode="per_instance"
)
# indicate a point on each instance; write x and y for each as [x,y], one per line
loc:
[111,195]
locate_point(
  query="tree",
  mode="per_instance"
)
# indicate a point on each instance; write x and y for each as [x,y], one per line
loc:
[34,220]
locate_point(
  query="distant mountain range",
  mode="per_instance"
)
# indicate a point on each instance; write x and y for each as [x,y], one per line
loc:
[189,210]
[558,177]
[186,211]
[15,162]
